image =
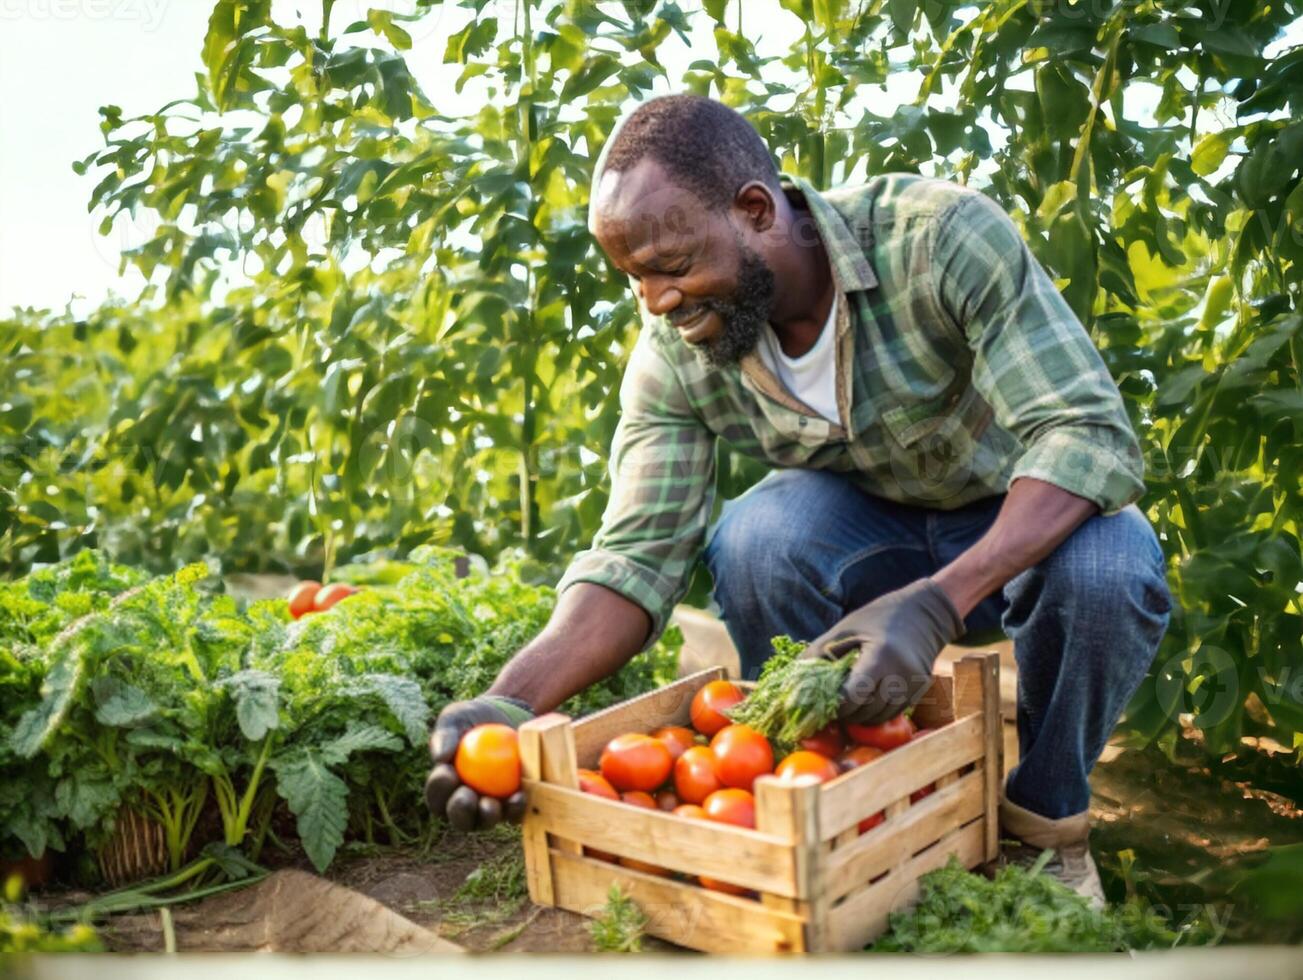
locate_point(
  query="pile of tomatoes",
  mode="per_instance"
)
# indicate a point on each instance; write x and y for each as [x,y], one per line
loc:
[708,771]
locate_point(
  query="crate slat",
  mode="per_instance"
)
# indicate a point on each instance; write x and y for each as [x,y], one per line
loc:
[887,844]
[733,854]
[977,689]
[680,913]
[850,798]
[863,916]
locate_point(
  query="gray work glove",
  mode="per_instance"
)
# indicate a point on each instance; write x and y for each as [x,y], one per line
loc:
[445,794]
[899,636]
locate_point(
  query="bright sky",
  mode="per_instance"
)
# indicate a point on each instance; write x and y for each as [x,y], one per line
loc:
[61,59]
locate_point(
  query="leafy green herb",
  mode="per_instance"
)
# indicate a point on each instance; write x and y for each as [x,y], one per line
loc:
[793,698]
[1020,910]
[620,926]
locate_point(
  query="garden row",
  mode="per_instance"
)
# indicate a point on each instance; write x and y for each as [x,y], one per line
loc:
[144,718]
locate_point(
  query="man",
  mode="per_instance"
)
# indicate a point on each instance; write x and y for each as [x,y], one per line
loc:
[950,454]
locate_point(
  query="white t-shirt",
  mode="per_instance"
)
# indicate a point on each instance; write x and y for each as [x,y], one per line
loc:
[812,377]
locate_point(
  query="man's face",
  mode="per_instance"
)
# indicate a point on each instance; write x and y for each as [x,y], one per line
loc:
[688,263]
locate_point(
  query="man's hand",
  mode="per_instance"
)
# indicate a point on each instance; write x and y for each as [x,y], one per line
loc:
[899,636]
[445,794]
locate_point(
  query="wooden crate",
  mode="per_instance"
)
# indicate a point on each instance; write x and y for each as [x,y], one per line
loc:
[820,885]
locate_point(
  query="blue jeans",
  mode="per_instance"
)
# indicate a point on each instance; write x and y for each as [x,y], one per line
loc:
[802,548]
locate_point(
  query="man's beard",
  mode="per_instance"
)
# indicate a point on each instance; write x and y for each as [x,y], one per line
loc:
[744,314]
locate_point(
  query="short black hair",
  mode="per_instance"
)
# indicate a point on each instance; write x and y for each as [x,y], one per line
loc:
[707,147]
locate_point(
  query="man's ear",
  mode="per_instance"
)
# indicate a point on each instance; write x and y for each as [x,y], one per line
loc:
[756,202]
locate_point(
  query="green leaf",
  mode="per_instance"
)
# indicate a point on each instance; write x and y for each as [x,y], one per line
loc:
[319,801]
[120,704]
[1210,152]
[359,738]
[382,22]
[257,701]
[37,724]
[403,697]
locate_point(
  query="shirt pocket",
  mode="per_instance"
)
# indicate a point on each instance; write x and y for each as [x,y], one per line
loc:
[911,422]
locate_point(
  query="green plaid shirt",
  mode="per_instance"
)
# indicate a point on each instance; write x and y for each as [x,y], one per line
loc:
[959,369]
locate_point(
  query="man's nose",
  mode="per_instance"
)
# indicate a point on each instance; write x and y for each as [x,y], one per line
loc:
[659,296]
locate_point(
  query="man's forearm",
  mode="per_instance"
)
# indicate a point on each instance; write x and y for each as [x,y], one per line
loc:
[1035,519]
[593,632]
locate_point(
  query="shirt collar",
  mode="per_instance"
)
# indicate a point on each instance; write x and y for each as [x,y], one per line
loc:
[850,268]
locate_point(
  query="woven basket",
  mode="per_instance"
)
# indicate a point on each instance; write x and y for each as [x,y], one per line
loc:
[137,849]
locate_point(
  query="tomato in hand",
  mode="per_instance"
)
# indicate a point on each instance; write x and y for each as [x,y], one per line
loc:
[488,760]
[696,774]
[743,754]
[676,738]
[710,703]
[591,781]
[300,598]
[858,755]
[887,736]
[826,741]
[636,761]
[803,764]
[331,594]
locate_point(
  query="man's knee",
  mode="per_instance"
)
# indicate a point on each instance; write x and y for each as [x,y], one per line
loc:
[1108,574]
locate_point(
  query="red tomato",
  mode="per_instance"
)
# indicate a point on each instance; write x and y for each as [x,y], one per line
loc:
[667,799]
[676,738]
[868,823]
[637,797]
[696,774]
[826,741]
[735,806]
[743,754]
[594,782]
[690,811]
[301,596]
[805,764]
[331,594]
[488,760]
[887,736]
[918,794]
[858,755]
[709,704]
[636,761]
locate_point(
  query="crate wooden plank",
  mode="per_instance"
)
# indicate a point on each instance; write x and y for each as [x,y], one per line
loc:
[733,854]
[538,866]
[791,812]
[681,913]
[977,689]
[853,796]
[665,706]
[937,706]
[863,916]
[887,844]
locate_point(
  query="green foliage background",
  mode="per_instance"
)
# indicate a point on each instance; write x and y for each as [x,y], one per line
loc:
[423,342]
